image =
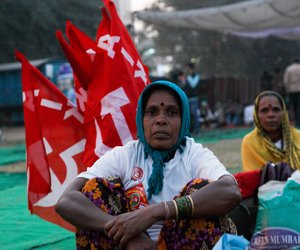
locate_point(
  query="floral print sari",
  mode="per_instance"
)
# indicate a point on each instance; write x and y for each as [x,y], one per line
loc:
[109,195]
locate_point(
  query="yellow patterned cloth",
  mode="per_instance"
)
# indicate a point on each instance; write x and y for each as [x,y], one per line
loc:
[258,149]
[255,152]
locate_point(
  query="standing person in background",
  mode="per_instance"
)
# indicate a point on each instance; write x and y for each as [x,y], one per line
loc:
[65,82]
[192,90]
[181,80]
[291,80]
[273,139]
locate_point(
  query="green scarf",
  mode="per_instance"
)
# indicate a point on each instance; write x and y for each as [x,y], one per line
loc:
[159,157]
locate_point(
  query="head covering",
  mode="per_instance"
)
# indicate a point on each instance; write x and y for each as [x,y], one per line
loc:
[289,151]
[159,156]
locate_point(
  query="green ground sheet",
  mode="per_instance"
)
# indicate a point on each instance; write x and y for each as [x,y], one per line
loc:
[21,230]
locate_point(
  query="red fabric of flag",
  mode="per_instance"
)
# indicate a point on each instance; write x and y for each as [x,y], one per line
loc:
[54,141]
[80,52]
[61,139]
[78,59]
[118,79]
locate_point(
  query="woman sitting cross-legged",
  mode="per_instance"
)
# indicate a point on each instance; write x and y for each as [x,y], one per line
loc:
[162,191]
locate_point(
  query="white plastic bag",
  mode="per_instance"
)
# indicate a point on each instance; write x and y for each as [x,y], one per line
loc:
[278,218]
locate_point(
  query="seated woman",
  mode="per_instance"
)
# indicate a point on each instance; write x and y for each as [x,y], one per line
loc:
[273,139]
[161,191]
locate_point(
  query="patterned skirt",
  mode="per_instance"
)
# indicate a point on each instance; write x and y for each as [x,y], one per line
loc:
[109,195]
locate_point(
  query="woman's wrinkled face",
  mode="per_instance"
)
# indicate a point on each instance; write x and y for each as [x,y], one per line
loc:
[270,113]
[162,120]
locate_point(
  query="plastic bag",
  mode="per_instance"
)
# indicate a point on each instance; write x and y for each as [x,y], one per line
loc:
[278,218]
[232,242]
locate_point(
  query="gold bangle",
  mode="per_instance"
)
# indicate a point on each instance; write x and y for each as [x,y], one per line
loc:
[193,207]
[176,209]
[167,211]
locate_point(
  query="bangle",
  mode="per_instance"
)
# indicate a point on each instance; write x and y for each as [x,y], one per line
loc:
[185,207]
[176,209]
[192,203]
[167,211]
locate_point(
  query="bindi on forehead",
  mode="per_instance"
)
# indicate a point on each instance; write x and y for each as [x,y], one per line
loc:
[162,104]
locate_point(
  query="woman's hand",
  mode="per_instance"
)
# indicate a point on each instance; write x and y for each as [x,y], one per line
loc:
[127,226]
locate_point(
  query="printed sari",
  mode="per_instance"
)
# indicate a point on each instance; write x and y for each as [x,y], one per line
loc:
[109,195]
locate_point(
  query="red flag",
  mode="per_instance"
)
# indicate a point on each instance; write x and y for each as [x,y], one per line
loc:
[54,142]
[80,52]
[113,76]
[118,79]
[78,59]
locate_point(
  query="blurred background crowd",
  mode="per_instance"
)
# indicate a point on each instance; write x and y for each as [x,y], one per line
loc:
[232,69]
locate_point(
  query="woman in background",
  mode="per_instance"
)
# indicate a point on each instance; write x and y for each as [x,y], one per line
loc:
[273,139]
